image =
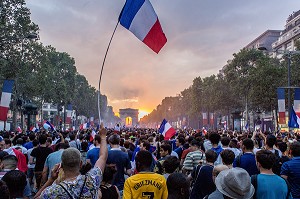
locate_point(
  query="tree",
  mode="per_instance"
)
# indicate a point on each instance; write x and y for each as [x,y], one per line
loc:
[15,27]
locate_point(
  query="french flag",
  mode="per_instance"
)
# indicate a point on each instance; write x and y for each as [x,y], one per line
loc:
[297,101]
[5,98]
[92,137]
[281,105]
[294,120]
[19,129]
[166,130]
[84,126]
[48,125]
[140,18]
[33,129]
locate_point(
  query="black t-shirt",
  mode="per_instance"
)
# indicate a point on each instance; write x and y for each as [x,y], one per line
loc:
[40,154]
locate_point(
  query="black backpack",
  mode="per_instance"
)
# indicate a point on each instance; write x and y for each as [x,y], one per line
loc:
[254,183]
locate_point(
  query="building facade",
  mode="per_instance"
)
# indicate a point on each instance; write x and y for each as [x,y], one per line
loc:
[266,40]
[290,34]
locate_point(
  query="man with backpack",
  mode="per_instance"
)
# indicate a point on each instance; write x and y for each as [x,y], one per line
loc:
[268,185]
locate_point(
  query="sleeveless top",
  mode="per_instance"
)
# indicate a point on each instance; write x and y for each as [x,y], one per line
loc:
[109,192]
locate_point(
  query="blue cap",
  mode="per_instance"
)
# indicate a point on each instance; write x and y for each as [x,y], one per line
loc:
[1,138]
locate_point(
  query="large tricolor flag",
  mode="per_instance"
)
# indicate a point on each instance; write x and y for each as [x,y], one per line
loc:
[166,130]
[297,101]
[281,105]
[5,98]
[294,120]
[139,17]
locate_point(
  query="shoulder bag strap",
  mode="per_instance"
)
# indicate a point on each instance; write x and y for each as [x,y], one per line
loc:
[198,172]
[65,190]
[82,187]
[254,183]
[238,160]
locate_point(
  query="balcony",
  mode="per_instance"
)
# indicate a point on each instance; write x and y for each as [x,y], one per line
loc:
[286,37]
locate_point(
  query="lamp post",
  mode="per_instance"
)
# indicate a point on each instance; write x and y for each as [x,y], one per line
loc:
[289,57]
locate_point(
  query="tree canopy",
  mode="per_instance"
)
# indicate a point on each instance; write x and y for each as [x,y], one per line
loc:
[250,78]
[41,73]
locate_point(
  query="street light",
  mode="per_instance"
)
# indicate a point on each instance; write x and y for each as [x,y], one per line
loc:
[289,56]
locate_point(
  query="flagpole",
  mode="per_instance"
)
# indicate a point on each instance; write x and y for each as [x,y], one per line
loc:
[99,94]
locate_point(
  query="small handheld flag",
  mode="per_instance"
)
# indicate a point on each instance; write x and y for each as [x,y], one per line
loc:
[140,18]
[33,129]
[48,125]
[19,129]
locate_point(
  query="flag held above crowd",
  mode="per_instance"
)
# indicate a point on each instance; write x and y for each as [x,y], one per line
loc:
[140,18]
[84,126]
[166,130]
[19,129]
[33,129]
[48,125]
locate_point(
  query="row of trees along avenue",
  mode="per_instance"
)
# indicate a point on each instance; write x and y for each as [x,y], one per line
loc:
[251,78]
[41,73]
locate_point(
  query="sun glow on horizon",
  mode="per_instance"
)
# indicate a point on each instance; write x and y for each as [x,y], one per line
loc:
[142,113]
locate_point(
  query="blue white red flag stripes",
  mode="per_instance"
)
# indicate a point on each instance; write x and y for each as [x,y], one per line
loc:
[281,105]
[297,101]
[48,125]
[5,98]
[166,130]
[294,120]
[92,136]
[140,18]
[84,126]
[33,129]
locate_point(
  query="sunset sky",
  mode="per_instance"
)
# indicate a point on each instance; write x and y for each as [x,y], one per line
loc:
[202,36]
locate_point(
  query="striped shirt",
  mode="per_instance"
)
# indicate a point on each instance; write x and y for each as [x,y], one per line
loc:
[193,159]
[291,169]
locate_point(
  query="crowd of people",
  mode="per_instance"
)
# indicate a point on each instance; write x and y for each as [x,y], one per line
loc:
[138,163]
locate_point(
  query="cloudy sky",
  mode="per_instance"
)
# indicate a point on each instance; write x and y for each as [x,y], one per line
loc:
[202,36]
